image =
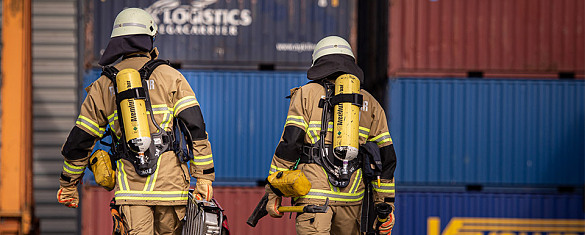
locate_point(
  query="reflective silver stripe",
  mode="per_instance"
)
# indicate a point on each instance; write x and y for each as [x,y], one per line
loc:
[318,125]
[129,24]
[96,129]
[333,188]
[183,102]
[358,178]
[382,187]
[73,170]
[331,46]
[314,136]
[295,119]
[138,195]
[166,120]
[335,196]
[210,158]
[382,138]
[363,132]
[121,171]
[314,125]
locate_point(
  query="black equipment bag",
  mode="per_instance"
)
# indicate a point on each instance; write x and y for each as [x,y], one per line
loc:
[372,169]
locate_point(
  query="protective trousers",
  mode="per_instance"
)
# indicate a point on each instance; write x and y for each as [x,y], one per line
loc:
[148,220]
[338,220]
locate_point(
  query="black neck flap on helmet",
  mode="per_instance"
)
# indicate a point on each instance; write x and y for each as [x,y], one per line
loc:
[123,45]
[334,64]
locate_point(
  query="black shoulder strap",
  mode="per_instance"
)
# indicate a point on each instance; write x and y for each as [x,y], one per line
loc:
[110,72]
[145,73]
[150,66]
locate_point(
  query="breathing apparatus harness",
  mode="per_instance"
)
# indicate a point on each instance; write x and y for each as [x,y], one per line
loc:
[338,170]
[162,140]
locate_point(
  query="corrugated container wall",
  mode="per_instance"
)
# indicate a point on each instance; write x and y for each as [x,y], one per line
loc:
[237,202]
[446,132]
[499,38]
[54,55]
[277,34]
[244,113]
[489,132]
[417,213]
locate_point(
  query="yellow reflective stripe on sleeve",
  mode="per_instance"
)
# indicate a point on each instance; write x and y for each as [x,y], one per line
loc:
[382,138]
[299,120]
[273,169]
[151,179]
[334,196]
[90,125]
[185,101]
[152,195]
[384,187]
[364,132]
[202,160]
[71,169]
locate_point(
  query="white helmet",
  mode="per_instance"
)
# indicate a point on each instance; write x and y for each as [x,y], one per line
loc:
[132,21]
[332,45]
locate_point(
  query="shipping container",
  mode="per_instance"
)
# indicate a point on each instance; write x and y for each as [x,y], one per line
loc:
[449,132]
[420,213]
[417,213]
[488,132]
[263,34]
[501,38]
[55,79]
[237,202]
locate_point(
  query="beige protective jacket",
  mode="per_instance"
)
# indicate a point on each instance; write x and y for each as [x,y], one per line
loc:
[170,95]
[302,127]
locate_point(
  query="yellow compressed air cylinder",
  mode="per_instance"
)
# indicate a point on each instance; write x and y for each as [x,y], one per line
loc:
[136,127]
[346,119]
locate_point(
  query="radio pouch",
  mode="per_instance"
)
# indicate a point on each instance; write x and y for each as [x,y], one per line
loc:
[101,166]
[292,183]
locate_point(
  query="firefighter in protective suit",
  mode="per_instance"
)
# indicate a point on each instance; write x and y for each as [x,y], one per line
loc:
[332,57]
[152,204]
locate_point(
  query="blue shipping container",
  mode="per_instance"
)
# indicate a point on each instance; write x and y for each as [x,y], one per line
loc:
[446,131]
[420,213]
[234,34]
[495,132]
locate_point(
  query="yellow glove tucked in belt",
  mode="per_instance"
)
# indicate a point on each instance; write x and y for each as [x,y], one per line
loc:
[68,196]
[203,190]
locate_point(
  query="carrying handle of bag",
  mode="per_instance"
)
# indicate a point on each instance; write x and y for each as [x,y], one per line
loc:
[296,164]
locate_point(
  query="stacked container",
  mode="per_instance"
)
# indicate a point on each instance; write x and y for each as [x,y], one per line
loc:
[518,38]
[489,149]
[475,156]
[488,156]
